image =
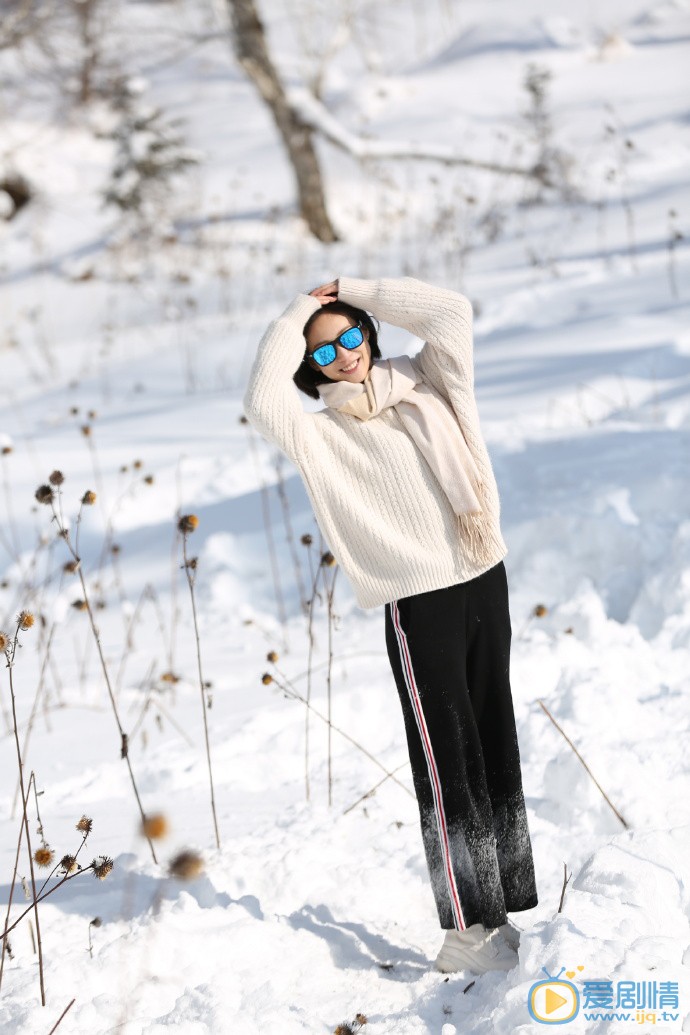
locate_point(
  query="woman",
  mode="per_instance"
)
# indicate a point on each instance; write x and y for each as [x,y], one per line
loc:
[402,488]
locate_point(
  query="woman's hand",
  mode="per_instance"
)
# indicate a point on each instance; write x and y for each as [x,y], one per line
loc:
[326,293]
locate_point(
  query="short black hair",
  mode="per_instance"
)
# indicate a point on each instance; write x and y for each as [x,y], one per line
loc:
[305,377]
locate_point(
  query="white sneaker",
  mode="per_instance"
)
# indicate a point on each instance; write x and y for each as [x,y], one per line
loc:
[476,949]
[511,933]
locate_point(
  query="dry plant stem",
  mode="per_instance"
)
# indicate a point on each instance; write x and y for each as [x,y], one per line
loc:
[566,878]
[291,692]
[124,750]
[589,771]
[329,682]
[310,654]
[190,581]
[96,468]
[13,548]
[64,1012]
[34,709]
[129,642]
[372,790]
[24,589]
[315,576]
[7,719]
[266,515]
[123,736]
[84,662]
[289,534]
[8,547]
[57,867]
[163,711]
[44,895]
[10,665]
[674,236]
[11,894]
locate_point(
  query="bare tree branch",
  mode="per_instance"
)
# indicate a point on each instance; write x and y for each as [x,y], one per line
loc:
[314,114]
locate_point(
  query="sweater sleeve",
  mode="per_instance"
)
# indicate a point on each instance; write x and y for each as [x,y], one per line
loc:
[440,317]
[271,400]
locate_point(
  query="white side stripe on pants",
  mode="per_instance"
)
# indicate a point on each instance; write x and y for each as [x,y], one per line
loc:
[431,764]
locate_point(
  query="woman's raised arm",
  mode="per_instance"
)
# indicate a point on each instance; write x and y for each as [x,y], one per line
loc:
[441,317]
[271,401]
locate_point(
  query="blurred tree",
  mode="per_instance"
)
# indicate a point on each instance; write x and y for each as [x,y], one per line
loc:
[249,40]
[19,19]
[150,154]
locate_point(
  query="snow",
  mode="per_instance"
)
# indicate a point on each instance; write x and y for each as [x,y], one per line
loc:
[310,913]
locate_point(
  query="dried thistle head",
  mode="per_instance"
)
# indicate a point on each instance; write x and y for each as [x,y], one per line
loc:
[92,415]
[44,494]
[86,430]
[85,825]
[103,868]
[306,539]
[44,856]
[6,450]
[266,678]
[96,922]
[186,865]
[79,605]
[344,1029]
[4,641]
[154,826]
[188,523]
[68,864]
[56,478]
[138,464]
[115,548]
[25,619]
[88,498]
[540,610]
[328,560]
[148,478]
[361,1019]
[70,566]
[272,656]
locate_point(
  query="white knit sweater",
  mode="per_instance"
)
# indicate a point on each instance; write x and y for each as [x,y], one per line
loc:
[381,510]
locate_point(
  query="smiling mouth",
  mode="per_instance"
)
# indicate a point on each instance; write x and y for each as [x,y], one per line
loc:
[348,370]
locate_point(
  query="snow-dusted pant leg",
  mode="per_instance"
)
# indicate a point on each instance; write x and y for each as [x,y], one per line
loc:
[449,650]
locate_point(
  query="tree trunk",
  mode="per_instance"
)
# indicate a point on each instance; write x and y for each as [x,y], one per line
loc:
[249,40]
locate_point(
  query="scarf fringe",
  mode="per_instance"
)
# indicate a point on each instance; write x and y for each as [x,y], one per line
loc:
[477,535]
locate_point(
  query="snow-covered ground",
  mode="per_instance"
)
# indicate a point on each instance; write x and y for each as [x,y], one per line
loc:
[310,913]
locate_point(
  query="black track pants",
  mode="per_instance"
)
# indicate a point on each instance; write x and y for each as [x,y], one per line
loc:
[450,654]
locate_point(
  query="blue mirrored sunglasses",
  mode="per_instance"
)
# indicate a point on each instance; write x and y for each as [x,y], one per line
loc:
[349,339]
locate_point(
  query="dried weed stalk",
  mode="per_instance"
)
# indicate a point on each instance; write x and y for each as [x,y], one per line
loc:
[186,524]
[25,620]
[49,494]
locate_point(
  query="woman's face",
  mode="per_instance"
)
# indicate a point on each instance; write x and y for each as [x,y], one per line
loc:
[349,364]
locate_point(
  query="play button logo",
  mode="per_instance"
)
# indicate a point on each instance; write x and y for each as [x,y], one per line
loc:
[553,1002]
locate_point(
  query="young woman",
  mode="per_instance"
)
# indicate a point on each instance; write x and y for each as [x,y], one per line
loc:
[402,488]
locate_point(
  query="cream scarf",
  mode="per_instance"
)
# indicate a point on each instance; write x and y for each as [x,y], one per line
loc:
[433,426]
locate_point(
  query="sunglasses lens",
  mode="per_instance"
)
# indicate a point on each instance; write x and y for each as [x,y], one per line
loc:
[324,355]
[352,338]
